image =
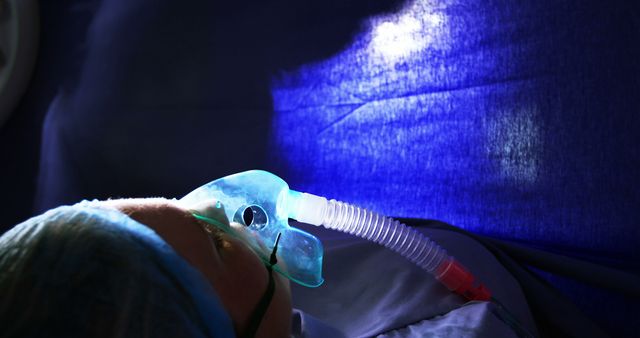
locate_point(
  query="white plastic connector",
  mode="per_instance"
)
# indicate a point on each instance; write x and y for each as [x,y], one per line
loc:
[307,208]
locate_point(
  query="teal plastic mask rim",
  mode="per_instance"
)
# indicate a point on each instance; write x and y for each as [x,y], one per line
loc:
[266,260]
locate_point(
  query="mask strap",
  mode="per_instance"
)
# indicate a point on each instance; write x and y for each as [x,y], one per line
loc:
[263,305]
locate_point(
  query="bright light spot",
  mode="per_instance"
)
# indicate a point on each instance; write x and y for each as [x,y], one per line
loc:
[412,31]
[394,40]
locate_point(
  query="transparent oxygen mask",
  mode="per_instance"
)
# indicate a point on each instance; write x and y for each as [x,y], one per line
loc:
[259,201]
[266,198]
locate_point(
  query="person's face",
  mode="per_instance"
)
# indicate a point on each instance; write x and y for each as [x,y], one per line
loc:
[233,269]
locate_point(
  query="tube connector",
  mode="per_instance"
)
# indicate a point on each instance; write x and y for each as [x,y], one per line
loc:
[307,208]
[459,280]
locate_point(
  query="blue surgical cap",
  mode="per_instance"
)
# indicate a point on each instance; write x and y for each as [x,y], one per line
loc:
[68,252]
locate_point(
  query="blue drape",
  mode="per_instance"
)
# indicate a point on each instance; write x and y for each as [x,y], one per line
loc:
[514,119]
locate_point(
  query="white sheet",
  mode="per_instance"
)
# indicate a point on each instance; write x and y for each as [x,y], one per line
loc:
[371,291]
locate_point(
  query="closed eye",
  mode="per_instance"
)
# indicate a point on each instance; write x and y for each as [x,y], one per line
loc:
[216,235]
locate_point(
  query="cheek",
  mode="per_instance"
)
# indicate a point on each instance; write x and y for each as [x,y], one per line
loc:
[243,281]
[243,265]
[283,293]
[277,320]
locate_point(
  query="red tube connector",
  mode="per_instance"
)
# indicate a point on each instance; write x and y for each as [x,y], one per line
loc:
[459,280]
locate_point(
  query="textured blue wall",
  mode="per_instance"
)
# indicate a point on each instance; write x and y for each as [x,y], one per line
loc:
[515,119]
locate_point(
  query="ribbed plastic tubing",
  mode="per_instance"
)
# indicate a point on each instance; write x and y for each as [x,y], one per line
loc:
[385,231]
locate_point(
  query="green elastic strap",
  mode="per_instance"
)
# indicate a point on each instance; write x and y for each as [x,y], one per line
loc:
[263,305]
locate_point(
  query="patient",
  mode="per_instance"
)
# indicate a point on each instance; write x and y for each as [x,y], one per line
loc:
[91,270]
[148,268]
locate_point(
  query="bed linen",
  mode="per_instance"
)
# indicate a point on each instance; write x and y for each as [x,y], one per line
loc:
[372,291]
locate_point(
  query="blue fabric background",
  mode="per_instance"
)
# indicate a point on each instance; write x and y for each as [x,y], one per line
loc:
[514,119]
